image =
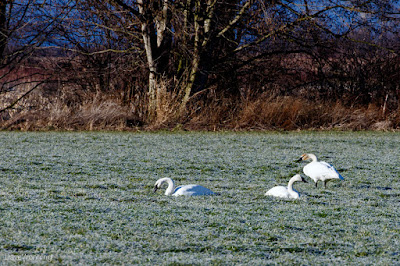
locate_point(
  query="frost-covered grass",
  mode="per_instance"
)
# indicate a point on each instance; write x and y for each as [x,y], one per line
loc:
[87,198]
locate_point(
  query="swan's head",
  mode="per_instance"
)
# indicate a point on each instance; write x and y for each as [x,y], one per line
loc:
[168,180]
[307,156]
[157,185]
[299,178]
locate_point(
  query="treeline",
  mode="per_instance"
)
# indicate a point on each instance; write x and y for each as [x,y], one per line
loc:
[202,64]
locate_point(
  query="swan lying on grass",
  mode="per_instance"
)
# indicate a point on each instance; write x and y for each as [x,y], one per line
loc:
[187,190]
[286,192]
[317,170]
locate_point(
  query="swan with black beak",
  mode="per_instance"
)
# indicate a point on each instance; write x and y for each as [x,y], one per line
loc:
[319,170]
[186,190]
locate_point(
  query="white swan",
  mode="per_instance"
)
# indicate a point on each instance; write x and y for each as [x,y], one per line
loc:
[187,190]
[317,170]
[286,192]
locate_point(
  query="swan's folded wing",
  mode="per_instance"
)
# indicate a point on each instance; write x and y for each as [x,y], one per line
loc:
[278,191]
[192,190]
[333,170]
[176,189]
[324,169]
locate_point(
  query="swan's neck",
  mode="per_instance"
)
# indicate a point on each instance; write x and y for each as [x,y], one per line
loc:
[291,191]
[290,186]
[312,157]
[171,185]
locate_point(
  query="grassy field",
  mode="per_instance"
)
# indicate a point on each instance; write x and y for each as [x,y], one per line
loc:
[87,198]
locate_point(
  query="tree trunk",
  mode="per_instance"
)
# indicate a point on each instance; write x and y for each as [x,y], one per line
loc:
[157,44]
[211,41]
[152,72]
[3,28]
[202,35]
[189,85]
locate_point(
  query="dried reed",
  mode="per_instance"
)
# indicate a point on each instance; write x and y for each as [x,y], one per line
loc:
[75,110]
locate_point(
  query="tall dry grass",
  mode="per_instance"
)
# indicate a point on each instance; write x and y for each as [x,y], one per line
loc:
[290,113]
[167,106]
[75,110]
[70,110]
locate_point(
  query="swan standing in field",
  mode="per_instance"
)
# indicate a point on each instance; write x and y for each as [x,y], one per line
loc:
[286,192]
[187,190]
[317,170]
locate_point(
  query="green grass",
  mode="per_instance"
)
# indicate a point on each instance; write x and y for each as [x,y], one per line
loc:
[87,198]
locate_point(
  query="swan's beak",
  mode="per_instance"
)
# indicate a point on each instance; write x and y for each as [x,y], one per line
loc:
[302,179]
[299,160]
[155,188]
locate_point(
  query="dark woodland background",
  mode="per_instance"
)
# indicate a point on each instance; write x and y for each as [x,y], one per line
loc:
[199,65]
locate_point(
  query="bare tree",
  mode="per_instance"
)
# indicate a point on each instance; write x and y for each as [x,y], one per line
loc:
[188,28]
[193,44]
[3,26]
[25,26]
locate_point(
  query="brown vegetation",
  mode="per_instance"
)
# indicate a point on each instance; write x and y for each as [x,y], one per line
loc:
[100,111]
[199,65]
